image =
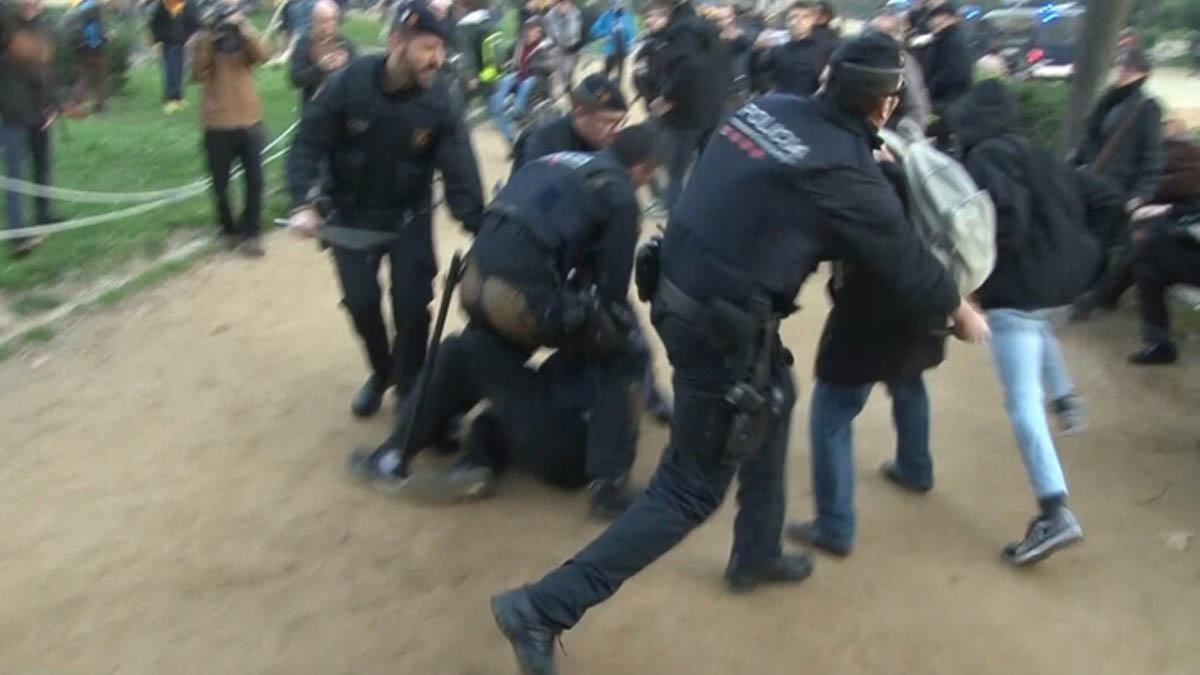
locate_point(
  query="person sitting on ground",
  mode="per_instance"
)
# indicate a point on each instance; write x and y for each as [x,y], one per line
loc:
[1167,243]
[532,67]
[1046,253]
[565,28]
[321,52]
[226,52]
[171,26]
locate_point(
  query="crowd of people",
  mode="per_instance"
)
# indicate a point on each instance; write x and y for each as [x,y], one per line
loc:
[771,143]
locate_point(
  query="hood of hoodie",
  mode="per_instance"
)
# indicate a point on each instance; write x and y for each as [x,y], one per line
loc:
[987,111]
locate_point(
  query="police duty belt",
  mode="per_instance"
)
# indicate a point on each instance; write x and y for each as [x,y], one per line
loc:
[352,238]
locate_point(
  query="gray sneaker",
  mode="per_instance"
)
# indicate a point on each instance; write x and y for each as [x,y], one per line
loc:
[1046,534]
[459,483]
[1072,414]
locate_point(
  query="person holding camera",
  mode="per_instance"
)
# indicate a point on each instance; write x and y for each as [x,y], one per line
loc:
[226,52]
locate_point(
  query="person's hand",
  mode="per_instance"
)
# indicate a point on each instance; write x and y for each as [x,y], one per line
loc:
[969,324]
[660,106]
[334,60]
[305,222]
[1150,211]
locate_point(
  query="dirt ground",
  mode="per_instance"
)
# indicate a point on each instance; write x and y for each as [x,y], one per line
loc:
[173,501]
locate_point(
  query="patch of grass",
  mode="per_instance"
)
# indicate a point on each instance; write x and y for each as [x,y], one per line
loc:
[152,277]
[36,302]
[7,350]
[39,334]
[134,146]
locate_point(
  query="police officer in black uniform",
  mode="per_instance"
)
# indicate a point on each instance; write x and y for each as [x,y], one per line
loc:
[597,112]
[550,267]
[786,183]
[382,125]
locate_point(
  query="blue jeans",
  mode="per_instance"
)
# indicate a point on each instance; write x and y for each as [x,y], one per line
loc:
[172,72]
[497,104]
[1030,364]
[18,142]
[831,436]
[688,486]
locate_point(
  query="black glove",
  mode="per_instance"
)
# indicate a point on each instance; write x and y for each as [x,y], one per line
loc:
[646,268]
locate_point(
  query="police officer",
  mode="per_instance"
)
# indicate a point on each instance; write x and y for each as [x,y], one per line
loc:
[597,112]
[536,419]
[550,267]
[785,183]
[383,124]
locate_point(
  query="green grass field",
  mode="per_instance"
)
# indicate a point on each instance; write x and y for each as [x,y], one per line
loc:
[134,146]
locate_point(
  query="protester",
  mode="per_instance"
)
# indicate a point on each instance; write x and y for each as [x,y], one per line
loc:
[946,60]
[914,99]
[532,66]
[648,66]
[564,26]
[87,36]
[598,110]
[739,47]
[823,31]
[171,26]
[795,67]
[691,87]
[616,27]
[28,107]
[321,52]
[226,52]
[1046,255]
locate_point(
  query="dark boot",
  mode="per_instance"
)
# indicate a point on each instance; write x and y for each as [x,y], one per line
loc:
[792,568]
[611,496]
[1155,354]
[532,640]
[369,397]
[891,471]
[807,533]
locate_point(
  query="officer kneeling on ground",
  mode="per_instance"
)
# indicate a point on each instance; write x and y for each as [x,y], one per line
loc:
[383,124]
[535,419]
[785,183]
[550,267]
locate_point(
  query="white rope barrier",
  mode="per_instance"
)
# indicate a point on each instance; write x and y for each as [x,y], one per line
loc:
[92,197]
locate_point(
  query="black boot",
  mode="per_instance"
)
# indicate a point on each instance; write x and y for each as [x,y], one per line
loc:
[1155,354]
[611,496]
[806,532]
[532,640]
[792,568]
[369,397]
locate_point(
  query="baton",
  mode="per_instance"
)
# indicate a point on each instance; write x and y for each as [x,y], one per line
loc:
[351,238]
[407,451]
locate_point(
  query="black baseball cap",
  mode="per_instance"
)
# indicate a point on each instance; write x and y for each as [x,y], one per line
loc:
[415,15]
[598,93]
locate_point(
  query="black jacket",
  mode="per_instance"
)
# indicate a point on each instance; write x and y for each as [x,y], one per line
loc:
[307,75]
[1050,219]
[174,30]
[695,75]
[947,64]
[581,207]
[794,67]
[557,135]
[829,40]
[648,67]
[865,338]
[784,184]
[1135,165]
[382,150]
[26,92]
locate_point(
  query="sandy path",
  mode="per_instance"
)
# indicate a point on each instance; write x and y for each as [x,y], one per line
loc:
[172,500]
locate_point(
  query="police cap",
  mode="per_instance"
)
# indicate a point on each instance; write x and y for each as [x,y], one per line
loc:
[597,92]
[415,15]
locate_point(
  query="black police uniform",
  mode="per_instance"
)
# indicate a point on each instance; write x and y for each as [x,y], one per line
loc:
[567,215]
[785,183]
[382,149]
[536,419]
[557,135]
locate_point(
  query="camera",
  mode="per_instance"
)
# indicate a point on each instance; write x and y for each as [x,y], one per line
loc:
[227,37]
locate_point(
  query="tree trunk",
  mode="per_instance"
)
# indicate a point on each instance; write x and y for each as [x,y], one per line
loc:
[1094,54]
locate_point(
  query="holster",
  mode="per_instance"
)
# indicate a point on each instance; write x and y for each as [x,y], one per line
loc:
[647,268]
[757,401]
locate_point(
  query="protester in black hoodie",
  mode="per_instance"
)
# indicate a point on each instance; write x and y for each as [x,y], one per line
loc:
[823,32]
[946,60]
[795,66]
[692,85]
[1045,256]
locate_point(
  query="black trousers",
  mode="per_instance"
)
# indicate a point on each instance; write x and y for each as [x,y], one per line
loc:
[536,431]
[1161,261]
[412,267]
[688,486]
[222,147]
[614,67]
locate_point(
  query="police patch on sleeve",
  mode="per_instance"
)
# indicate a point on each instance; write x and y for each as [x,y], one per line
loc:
[759,134]
[573,160]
